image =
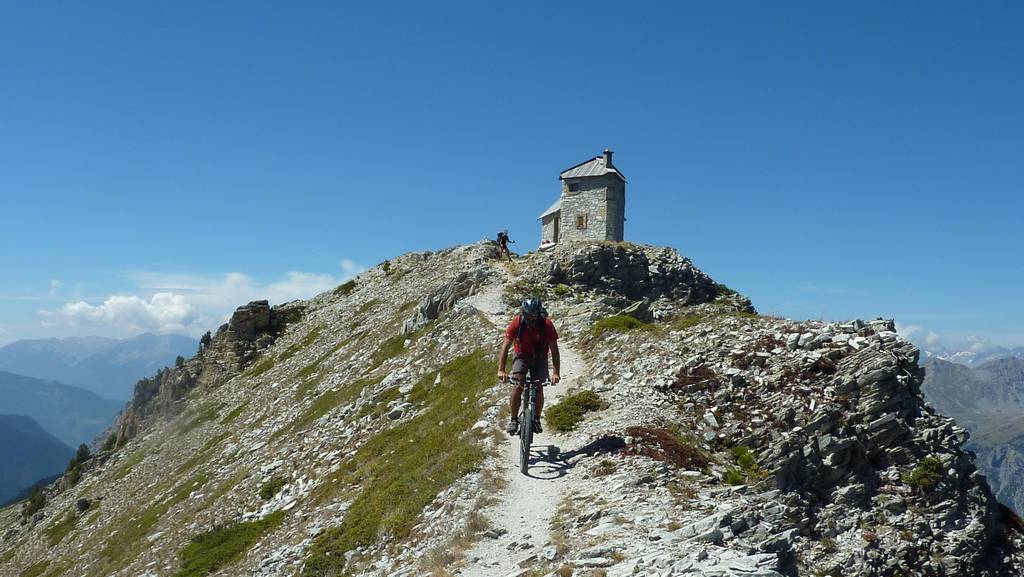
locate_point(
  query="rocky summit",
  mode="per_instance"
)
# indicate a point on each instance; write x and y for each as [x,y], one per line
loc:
[360,433]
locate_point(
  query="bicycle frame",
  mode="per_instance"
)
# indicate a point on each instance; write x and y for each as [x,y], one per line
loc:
[527,413]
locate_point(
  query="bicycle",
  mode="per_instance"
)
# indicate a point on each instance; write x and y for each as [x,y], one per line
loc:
[526,417]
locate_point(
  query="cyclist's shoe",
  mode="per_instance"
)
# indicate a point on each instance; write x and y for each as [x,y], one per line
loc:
[536,426]
[513,427]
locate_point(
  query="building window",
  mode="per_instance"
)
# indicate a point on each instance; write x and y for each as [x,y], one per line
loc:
[581,221]
[574,187]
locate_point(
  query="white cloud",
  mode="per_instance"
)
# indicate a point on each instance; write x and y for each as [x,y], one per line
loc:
[183,303]
[128,314]
[908,331]
[350,269]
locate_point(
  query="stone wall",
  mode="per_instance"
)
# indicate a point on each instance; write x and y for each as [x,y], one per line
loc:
[601,200]
[547,228]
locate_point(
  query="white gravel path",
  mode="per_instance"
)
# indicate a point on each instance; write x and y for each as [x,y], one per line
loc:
[528,502]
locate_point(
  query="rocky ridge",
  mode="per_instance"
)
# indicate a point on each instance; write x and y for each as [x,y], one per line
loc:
[732,444]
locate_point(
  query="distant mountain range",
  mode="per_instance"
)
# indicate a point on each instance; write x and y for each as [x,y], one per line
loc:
[27,454]
[71,414]
[107,367]
[987,400]
[971,354]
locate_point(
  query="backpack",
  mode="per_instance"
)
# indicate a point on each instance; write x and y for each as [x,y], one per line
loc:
[542,344]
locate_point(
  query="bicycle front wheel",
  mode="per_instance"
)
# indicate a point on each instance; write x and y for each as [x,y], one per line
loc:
[525,438]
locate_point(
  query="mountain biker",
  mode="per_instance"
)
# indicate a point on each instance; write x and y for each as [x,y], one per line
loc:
[533,334]
[503,241]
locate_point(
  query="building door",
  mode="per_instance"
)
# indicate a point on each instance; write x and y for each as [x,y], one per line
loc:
[556,229]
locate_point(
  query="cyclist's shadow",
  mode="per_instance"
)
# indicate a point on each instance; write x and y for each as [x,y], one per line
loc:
[548,462]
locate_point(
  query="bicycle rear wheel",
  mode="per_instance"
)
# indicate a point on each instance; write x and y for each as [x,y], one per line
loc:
[526,434]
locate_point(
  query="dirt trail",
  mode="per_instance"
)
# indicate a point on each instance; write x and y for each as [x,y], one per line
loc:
[528,502]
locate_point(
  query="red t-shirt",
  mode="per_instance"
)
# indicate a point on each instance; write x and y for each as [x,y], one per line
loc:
[530,337]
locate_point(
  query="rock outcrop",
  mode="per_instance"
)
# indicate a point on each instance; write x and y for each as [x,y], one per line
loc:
[252,328]
[631,271]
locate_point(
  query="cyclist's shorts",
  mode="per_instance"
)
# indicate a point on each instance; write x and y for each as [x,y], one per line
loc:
[538,368]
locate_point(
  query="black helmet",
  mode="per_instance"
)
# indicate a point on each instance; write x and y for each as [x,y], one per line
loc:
[532,306]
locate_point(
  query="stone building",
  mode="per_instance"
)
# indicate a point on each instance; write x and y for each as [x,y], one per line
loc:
[592,205]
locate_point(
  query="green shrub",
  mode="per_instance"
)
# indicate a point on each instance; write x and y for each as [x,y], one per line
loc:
[291,313]
[734,477]
[345,288]
[123,470]
[394,346]
[36,502]
[8,555]
[261,367]
[35,569]
[561,290]
[367,306]
[686,322]
[514,293]
[567,414]
[379,404]
[401,470]
[744,458]
[272,487]
[203,414]
[605,467]
[110,443]
[305,342]
[325,403]
[132,527]
[723,290]
[927,473]
[55,533]
[312,368]
[221,546]
[234,414]
[619,323]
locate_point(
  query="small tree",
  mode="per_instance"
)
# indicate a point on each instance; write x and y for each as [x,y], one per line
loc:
[82,454]
[205,341]
[35,502]
[179,361]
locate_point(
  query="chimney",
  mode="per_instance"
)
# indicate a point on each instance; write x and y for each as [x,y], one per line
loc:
[607,158]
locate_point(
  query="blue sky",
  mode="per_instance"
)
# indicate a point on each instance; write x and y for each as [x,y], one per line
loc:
[161,163]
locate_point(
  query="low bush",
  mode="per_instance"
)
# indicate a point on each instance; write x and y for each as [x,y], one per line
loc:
[394,346]
[619,323]
[219,547]
[272,487]
[203,414]
[305,342]
[401,470]
[605,467]
[325,403]
[345,288]
[133,526]
[35,569]
[927,473]
[234,414]
[686,322]
[662,445]
[722,290]
[734,477]
[56,532]
[567,414]
[514,293]
[36,502]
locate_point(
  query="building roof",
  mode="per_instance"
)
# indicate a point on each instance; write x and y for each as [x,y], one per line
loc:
[593,167]
[552,209]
